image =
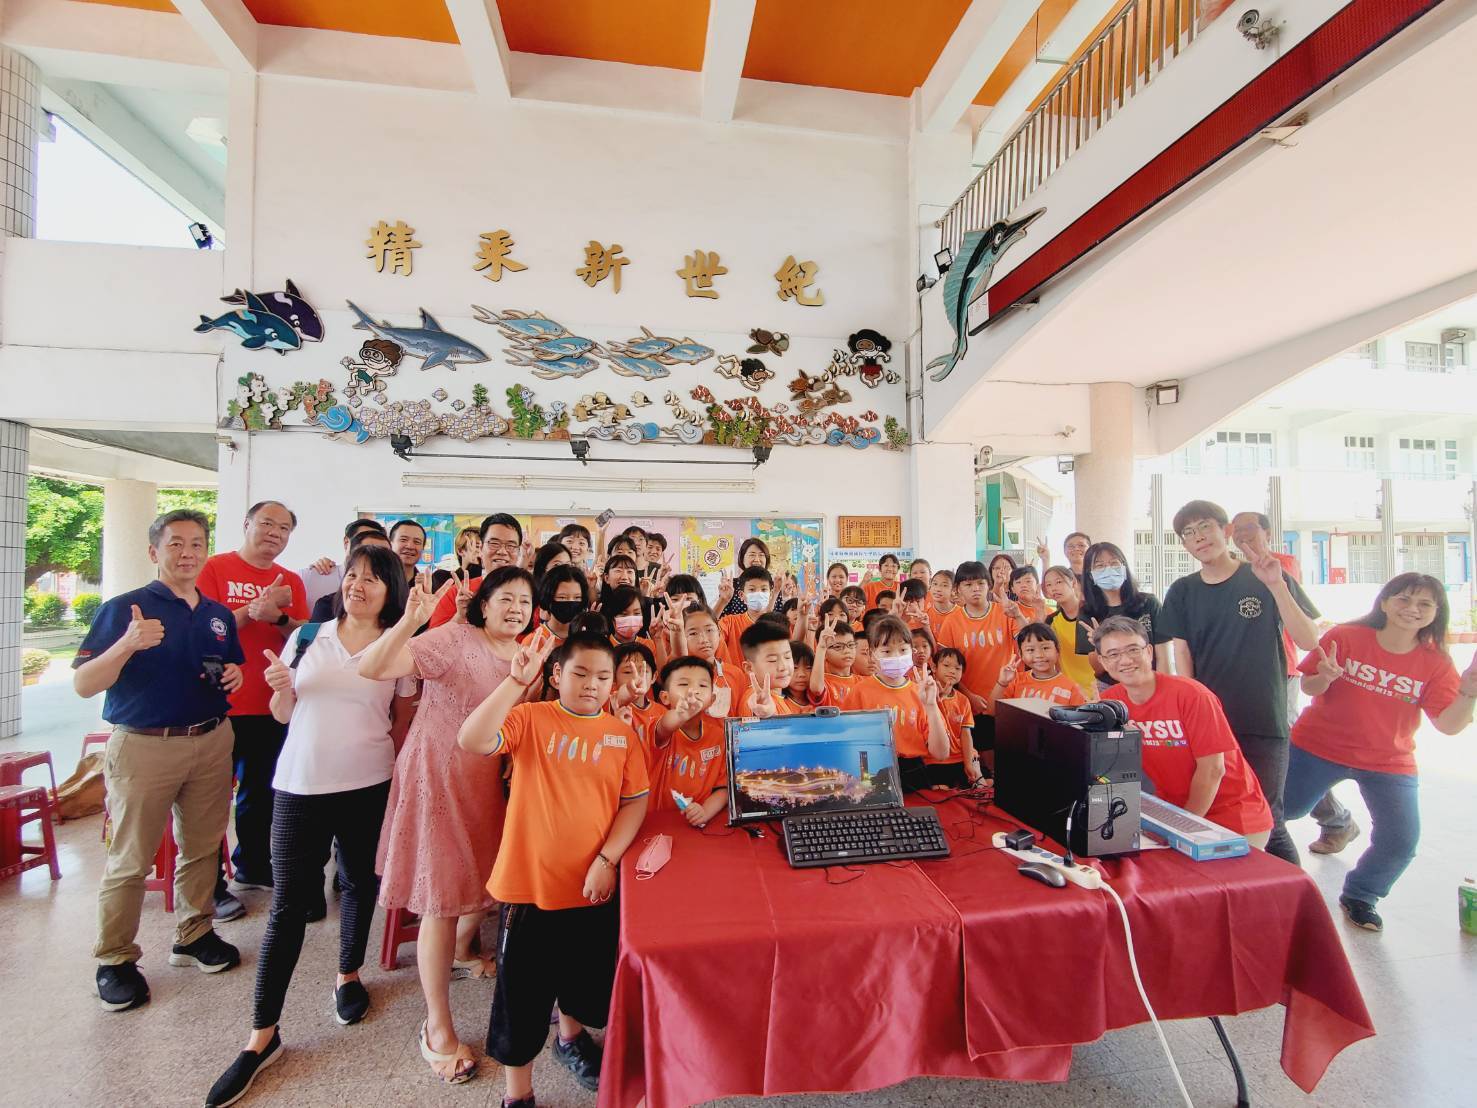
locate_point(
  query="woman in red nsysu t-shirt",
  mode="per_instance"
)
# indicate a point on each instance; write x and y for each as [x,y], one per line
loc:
[1370,680]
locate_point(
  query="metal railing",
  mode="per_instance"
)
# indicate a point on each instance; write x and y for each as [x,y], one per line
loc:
[1137,44]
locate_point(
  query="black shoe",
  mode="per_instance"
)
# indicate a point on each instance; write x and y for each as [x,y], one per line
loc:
[210,953]
[521,1102]
[581,1057]
[231,1086]
[350,1002]
[319,911]
[227,908]
[1361,913]
[121,987]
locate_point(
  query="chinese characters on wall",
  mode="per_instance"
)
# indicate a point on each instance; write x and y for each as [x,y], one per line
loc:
[392,249]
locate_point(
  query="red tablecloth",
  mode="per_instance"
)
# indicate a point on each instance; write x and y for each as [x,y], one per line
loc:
[739,975]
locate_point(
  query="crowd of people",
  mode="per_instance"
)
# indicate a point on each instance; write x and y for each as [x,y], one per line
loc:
[490,738]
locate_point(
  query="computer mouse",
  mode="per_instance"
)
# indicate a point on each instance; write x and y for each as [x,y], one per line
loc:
[1040,871]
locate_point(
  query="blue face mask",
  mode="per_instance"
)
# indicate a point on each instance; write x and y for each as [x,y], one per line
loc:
[756,601]
[1110,577]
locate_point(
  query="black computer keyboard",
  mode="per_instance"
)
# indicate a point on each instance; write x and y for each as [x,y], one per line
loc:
[879,835]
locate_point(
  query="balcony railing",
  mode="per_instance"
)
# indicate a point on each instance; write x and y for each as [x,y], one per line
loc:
[1122,60]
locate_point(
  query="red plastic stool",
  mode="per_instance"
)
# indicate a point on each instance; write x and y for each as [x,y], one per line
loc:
[95,738]
[12,766]
[25,804]
[164,858]
[401,926]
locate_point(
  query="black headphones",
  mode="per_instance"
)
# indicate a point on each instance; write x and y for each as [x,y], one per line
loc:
[1101,715]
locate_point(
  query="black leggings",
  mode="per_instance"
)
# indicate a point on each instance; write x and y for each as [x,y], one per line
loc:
[303,831]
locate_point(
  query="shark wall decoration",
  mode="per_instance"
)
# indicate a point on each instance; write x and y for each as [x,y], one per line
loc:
[967,280]
[256,326]
[287,304]
[430,341]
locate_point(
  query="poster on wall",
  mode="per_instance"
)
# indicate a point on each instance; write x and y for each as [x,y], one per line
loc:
[695,544]
[861,565]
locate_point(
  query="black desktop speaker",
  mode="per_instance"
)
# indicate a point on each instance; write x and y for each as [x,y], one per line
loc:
[1083,763]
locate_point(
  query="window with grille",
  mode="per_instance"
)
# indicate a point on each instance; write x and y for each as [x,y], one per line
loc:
[1177,561]
[1423,554]
[1359,452]
[1428,458]
[1423,357]
[1242,452]
[1366,562]
[1365,351]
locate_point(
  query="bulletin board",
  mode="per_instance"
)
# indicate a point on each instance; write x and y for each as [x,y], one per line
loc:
[697,544]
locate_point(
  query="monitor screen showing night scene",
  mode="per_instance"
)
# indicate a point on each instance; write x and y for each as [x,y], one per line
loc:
[800,765]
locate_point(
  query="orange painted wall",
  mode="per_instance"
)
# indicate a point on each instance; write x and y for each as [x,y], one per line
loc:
[667,33]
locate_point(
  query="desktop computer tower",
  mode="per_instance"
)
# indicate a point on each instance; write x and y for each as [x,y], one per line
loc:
[1045,769]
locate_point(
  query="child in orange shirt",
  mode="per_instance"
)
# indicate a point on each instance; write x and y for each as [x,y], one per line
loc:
[1042,679]
[578,798]
[689,744]
[855,602]
[914,596]
[634,670]
[961,769]
[701,637]
[940,597]
[984,632]
[1026,587]
[798,692]
[768,668]
[918,729]
[831,679]
[754,586]
[887,570]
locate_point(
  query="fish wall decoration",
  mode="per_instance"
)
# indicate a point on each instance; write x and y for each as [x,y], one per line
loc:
[256,326]
[430,341]
[290,305]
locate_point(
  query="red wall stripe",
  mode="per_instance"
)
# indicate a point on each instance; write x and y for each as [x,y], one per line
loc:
[1352,33]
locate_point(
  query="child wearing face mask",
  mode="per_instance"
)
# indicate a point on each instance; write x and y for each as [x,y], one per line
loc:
[1108,589]
[754,588]
[627,618]
[1042,678]
[563,593]
[918,729]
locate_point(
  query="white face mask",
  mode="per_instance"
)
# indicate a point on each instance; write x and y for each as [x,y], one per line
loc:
[896,667]
[756,601]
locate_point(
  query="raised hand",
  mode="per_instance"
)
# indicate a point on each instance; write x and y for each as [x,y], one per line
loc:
[1468,684]
[725,591]
[1328,662]
[528,663]
[278,675]
[525,556]
[324,566]
[813,618]
[1009,670]
[463,593]
[142,634]
[421,601]
[279,594]
[763,696]
[827,638]
[721,702]
[624,713]
[1043,554]
[1268,569]
[1011,608]
[928,688]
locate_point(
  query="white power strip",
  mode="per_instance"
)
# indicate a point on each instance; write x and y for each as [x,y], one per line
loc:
[1083,876]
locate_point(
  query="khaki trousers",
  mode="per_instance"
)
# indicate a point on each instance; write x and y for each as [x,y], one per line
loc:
[148,777]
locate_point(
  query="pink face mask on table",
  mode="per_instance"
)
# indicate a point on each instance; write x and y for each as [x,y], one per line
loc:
[657,853]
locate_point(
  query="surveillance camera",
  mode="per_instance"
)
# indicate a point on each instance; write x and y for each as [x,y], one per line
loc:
[984,456]
[1248,21]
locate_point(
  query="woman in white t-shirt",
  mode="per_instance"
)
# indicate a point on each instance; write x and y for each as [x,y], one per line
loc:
[332,782]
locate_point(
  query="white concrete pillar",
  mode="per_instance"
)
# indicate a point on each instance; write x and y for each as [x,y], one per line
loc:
[14,453]
[1104,476]
[19,98]
[941,487]
[128,509]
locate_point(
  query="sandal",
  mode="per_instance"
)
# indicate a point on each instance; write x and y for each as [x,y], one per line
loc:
[472,967]
[462,1053]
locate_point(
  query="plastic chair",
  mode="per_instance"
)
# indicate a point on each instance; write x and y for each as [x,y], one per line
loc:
[24,804]
[99,739]
[401,926]
[12,766]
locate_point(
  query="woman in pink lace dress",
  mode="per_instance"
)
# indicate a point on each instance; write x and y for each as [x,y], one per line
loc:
[445,813]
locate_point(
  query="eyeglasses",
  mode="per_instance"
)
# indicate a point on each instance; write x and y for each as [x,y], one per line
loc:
[505,547]
[1201,530]
[1126,652]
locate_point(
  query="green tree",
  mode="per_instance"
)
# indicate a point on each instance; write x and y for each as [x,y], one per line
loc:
[199,500]
[64,528]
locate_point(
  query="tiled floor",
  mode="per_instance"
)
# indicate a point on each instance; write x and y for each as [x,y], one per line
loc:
[58,1048]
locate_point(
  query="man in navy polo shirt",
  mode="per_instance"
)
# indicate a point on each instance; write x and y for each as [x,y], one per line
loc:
[167,656]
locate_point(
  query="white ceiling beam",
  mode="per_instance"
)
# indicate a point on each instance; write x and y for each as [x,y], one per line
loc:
[94,112]
[1059,48]
[985,33]
[227,28]
[479,27]
[726,46]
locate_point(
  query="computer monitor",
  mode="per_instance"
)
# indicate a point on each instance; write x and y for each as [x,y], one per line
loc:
[801,765]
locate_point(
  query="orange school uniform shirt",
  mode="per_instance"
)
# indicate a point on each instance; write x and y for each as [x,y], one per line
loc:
[987,643]
[1060,689]
[839,689]
[570,776]
[873,588]
[732,629]
[696,768]
[958,718]
[909,717]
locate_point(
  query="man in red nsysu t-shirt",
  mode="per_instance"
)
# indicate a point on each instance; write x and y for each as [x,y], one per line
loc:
[1189,752]
[268,601]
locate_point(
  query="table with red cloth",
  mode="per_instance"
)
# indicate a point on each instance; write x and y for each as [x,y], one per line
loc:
[741,976]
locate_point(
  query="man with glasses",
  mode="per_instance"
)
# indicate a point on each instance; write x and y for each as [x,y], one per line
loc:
[267,601]
[1226,625]
[502,539]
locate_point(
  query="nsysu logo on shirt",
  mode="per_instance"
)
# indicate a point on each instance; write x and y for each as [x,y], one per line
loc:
[1382,682]
[245,591]
[1249,607]
[1161,732]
